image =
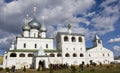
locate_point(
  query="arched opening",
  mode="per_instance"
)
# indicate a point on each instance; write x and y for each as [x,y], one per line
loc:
[80,39]
[81,55]
[73,39]
[41,64]
[22,55]
[13,55]
[52,55]
[67,55]
[74,55]
[59,55]
[30,55]
[66,38]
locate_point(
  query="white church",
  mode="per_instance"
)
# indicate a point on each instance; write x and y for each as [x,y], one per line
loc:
[33,48]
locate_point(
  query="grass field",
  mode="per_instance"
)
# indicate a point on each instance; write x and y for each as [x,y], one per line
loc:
[99,69]
[1,60]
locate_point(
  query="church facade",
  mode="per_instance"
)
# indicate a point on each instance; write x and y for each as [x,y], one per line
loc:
[33,47]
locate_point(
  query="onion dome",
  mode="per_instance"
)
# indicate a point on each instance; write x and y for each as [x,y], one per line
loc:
[34,23]
[26,27]
[43,28]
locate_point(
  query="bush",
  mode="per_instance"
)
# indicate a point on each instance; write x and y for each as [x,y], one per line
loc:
[24,69]
[1,69]
[73,69]
[51,68]
[7,69]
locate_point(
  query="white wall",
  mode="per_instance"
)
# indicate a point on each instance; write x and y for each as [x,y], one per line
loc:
[100,54]
[30,43]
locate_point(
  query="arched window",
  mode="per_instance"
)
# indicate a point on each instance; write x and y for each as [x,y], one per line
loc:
[67,55]
[73,39]
[52,55]
[80,39]
[13,55]
[66,38]
[22,55]
[74,55]
[59,55]
[30,55]
[81,55]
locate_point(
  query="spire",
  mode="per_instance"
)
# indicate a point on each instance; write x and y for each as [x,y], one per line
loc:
[43,17]
[26,26]
[43,28]
[96,37]
[26,20]
[69,28]
[35,10]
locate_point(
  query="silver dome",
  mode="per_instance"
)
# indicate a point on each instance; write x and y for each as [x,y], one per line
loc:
[26,27]
[43,29]
[34,24]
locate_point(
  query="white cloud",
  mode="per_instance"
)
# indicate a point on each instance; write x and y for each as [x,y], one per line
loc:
[116,48]
[105,20]
[114,40]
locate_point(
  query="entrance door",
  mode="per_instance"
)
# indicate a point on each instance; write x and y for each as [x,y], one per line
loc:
[42,64]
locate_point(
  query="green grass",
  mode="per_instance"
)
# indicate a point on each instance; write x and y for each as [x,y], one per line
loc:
[98,69]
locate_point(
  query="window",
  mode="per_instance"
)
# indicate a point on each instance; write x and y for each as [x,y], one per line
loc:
[22,55]
[67,55]
[74,49]
[66,48]
[73,39]
[52,55]
[46,45]
[99,41]
[81,49]
[30,55]
[13,55]
[66,38]
[74,55]
[103,55]
[80,39]
[89,55]
[24,45]
[6,57]
[35,45]
[59,55]
[81,55]
[108,55]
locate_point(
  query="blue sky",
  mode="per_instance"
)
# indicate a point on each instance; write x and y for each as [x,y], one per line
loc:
[88,17]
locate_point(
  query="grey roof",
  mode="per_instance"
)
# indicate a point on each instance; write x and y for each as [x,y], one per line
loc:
[66,33]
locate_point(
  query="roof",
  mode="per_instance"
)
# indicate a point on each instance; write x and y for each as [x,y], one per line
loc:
[66,33]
